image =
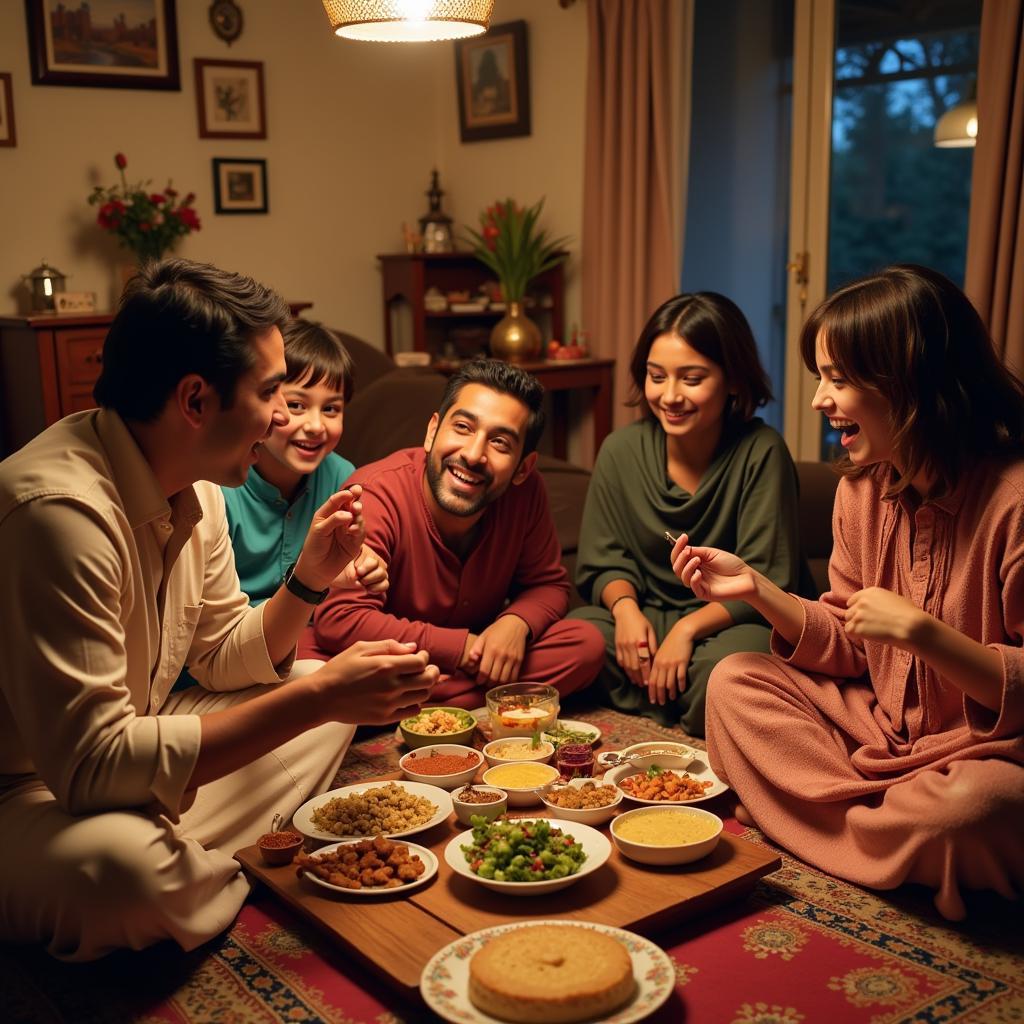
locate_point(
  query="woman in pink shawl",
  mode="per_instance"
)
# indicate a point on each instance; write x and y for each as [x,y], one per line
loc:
[882,739]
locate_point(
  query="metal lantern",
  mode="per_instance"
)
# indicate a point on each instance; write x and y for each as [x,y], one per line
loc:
[44,282]
[435,225]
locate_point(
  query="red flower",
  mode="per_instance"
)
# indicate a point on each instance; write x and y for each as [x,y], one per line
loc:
[188,217]
[144,225]
[172,192]
[121,160]
[188,199]
[156,198]
[110,214]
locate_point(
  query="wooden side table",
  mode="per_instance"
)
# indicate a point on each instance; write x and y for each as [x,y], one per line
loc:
[560,378]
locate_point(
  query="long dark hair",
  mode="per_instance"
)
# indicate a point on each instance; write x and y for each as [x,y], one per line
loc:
[911,335]
[718,330]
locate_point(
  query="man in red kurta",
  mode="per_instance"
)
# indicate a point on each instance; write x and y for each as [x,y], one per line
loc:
[474,561]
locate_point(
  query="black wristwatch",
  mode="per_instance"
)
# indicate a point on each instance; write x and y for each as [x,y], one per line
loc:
[300,590]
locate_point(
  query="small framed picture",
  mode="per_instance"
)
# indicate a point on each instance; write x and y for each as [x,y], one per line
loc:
[229,95]
[105,43]
[239,185]
[7,136]
[493,83]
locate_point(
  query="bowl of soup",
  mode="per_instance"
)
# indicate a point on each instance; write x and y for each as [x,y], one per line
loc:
[666,835]
[521,780]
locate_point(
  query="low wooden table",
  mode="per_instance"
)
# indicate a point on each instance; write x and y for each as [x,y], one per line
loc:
[395,935]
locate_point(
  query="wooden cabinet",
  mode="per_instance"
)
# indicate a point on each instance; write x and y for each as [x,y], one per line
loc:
[406,278]
[48,365]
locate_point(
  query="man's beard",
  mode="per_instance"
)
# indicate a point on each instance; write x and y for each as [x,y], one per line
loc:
[457,505]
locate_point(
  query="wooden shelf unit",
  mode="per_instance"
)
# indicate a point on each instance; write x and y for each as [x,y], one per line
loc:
[406,277]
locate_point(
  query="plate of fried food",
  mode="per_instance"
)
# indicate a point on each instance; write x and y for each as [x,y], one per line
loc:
[659,786]
[367,809]
[368,867]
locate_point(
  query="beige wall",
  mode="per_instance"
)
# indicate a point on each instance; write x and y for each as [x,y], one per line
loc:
[353,131]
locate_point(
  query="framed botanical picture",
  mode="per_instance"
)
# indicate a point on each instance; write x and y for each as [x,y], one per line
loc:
[119,44]
[229,94]
[239,185]
[7,136]
[493,83]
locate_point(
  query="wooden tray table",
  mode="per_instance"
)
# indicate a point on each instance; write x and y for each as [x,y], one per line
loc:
[395,935]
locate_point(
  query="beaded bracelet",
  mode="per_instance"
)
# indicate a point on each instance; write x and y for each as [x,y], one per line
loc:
[622,597]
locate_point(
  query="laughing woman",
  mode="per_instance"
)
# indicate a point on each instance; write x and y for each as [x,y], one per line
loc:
[700,463]
[883,742]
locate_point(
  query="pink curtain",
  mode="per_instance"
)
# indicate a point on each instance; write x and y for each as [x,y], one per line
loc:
[633,178]
[995,239]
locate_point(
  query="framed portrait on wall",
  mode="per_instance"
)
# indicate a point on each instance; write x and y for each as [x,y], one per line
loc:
[7,134]
[229,96]
[239,185]
[106,43]
[493,83]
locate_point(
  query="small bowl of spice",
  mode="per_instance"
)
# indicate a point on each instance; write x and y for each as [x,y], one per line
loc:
[278,848]
[487,801]
[447,765]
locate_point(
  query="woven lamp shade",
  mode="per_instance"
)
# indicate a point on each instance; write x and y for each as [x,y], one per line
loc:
[394,21]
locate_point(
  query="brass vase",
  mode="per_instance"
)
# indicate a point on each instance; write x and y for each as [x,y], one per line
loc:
[515,337]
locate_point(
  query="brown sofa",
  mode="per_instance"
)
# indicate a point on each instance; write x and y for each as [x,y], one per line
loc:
[391,407]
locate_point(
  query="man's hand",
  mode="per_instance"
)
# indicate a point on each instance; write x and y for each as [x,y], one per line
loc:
[668,671]
[635,641]
[335,537]
[375,682]
[877,614]
[497,653]
[367,570]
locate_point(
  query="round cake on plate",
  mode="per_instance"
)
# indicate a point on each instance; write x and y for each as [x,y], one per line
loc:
[551,974]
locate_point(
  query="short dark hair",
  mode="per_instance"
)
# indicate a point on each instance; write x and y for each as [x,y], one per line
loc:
[912,336]
[178,317]
[507,380]
[716,327]
[314,350]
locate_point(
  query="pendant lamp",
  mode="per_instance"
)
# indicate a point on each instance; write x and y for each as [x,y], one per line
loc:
[958,126]
[408,21]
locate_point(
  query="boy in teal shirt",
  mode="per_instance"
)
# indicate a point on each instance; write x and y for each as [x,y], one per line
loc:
[297,469]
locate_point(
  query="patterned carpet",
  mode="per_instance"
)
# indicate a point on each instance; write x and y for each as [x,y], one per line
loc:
[804,948]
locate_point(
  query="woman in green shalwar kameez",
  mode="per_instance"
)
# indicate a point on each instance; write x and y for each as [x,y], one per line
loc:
[699,463]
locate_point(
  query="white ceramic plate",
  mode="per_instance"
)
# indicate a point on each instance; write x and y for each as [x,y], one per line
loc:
[303,817]
[595,845]
[577,726]
[444,983]
[698,769]
[428,858]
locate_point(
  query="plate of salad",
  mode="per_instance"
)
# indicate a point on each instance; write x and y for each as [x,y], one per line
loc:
[526,855]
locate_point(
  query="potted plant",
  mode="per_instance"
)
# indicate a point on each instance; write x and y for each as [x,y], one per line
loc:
[516,250]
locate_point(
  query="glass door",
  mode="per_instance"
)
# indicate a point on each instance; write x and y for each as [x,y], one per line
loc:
[868,185]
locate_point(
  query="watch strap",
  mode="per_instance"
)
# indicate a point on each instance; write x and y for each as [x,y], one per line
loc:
[300,590]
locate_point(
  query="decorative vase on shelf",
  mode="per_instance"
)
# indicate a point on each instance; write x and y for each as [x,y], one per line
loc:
[515,337]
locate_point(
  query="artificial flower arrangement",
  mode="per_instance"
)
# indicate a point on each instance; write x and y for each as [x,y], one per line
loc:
[511,245]
[147,222]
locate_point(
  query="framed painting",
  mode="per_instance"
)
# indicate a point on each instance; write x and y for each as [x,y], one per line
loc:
[239,185]
[117,44]
[493,84]
[229,95]
[7,135]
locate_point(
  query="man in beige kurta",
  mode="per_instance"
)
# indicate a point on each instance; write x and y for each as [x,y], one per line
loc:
[122,801]
[861,758]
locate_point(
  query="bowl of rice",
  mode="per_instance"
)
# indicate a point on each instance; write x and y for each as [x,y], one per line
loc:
[438,725]
[521,780]
[517,749]
[666,835]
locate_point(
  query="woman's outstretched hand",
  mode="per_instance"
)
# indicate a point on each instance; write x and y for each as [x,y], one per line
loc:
[712,574]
